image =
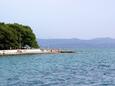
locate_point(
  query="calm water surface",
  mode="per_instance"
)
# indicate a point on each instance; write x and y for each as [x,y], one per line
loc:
[87,67]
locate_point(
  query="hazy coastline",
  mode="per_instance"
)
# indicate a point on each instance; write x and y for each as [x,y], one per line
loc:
[77,43]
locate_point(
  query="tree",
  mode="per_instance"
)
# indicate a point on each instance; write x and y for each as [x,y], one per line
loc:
[13,36]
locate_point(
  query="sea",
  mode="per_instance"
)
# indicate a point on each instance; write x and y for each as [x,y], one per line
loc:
[85,67]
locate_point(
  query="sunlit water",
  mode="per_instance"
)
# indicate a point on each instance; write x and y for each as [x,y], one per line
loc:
[87,67]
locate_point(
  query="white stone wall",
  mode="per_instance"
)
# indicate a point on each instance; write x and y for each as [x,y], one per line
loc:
[23,51]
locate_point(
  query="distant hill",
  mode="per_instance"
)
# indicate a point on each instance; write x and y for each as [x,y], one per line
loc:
[77,43]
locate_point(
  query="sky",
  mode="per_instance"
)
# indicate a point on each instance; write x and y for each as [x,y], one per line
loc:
[84,19]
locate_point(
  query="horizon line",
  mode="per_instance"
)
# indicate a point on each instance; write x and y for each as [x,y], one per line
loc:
[80,38]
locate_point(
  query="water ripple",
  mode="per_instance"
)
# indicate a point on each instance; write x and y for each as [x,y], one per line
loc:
[86,68]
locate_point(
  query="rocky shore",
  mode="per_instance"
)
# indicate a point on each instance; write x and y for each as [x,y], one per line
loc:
[33,51]
[28,51]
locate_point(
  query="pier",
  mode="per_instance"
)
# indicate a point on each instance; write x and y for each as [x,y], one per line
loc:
[33,51]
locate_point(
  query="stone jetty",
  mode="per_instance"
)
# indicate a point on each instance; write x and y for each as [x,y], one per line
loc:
[32,51]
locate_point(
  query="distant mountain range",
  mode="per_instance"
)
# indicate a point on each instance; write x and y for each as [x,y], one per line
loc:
[77,43]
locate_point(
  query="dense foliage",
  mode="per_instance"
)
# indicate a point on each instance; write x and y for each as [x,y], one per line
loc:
[15,36]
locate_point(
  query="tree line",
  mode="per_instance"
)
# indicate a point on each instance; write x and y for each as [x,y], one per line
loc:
[16,36]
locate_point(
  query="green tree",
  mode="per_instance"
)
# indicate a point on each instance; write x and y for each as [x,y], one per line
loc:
[13,36]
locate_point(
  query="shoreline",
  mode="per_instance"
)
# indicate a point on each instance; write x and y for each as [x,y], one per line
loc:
[27,51]
[32,51]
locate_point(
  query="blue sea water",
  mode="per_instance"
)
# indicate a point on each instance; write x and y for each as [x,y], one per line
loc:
[86,67]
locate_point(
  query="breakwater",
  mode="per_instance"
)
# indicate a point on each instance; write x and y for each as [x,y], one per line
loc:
[32,51]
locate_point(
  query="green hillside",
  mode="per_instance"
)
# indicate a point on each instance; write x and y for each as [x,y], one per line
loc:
[15,36]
